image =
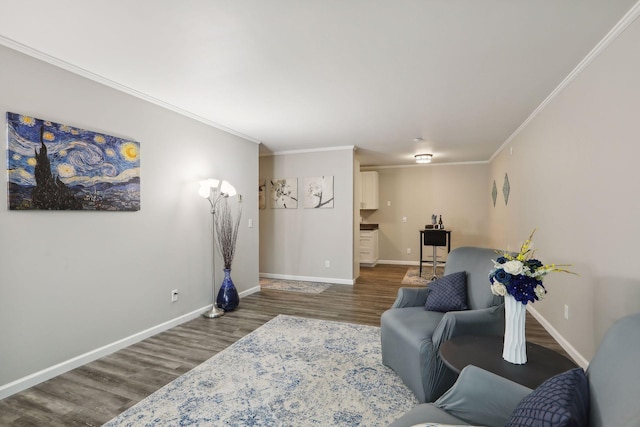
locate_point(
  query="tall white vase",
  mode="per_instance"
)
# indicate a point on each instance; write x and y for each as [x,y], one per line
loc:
[515,346]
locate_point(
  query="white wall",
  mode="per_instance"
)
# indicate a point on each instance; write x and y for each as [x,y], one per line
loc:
[295,243]
[574,175]
[72,282]
[457,192]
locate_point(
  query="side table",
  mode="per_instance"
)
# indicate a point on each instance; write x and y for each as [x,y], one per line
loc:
[485,351]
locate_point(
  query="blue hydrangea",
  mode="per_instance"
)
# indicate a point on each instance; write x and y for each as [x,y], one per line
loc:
[522,288]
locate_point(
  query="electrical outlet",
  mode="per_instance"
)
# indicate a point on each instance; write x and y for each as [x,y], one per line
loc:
[174,295]
[327,264]
[408,251]
[388,202]
[404,219]
[250,223]
[566,311]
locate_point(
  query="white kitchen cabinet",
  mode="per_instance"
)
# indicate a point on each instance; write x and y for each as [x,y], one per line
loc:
[369,247]
[369,195]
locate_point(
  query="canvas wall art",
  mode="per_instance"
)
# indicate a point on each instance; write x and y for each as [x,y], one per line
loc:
[284,193]
[52,166]
[318,192]
[262,193]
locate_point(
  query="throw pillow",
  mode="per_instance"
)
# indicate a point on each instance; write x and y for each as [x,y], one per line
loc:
[560,401]
[448,293]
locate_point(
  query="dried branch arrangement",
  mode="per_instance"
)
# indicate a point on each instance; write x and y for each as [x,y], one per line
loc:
[227,231]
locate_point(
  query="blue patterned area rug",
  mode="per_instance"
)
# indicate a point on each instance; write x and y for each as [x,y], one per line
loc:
[291,371]
[293,285]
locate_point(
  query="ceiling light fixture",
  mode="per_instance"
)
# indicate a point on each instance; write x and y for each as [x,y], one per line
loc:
[423,158]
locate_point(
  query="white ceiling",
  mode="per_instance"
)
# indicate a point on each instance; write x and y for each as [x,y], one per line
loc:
[462,75]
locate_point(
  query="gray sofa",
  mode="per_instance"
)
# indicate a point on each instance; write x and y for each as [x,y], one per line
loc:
[411,335]
[482,398]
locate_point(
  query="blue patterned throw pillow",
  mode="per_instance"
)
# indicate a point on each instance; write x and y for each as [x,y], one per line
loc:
[560,401]
[448,293]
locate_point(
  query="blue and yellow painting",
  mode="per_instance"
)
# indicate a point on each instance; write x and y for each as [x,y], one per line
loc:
[58,167]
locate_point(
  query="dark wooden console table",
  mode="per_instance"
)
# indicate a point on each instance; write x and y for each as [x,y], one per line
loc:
[485,351]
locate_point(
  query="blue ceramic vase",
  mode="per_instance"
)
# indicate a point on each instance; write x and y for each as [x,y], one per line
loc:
[228,298]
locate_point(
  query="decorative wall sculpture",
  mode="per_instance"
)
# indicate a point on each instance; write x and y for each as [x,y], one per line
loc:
[52,166]
[506,189]
[494,193]
[318,192]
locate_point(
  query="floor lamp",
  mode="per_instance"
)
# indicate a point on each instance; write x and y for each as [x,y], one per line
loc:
[214,191]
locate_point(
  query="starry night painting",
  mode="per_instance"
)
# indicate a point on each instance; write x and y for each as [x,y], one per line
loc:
[58,167]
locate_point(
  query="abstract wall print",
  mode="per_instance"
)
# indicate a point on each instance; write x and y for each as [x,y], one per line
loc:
[53,166]
[262,193]
[284,193]
[318,192]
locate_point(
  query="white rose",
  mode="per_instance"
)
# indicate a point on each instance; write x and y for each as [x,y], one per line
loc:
[540,291]
[513,267]
[498,289]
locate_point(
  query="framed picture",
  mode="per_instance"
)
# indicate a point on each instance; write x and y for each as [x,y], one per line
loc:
[52,166]
[318,192]
[284,193]
[262,193]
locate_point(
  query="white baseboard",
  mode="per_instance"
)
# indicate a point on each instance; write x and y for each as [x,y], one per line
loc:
[309,278]
[575,355]
[250,291]
[31,380]
[368,264]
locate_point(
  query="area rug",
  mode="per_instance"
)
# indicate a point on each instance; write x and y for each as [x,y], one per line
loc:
[293,285]
[291,371]
[412,277]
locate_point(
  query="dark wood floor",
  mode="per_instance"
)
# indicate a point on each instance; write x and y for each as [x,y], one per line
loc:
[93,394]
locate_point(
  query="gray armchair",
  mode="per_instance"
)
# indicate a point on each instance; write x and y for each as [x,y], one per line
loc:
[481,398]
[411,336]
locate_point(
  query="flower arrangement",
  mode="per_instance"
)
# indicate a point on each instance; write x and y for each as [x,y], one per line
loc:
[521,276]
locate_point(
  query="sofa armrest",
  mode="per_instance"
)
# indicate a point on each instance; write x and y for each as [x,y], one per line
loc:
[410,297]
[481,397]
[484,321]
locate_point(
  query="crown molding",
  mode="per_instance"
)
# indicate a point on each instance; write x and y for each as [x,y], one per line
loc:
[34,53]
[427,165]
[309,150]
[611,36]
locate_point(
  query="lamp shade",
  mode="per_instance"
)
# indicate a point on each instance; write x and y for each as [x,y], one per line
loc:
[228,189]
[204,191]
[207,186]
